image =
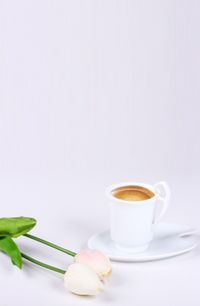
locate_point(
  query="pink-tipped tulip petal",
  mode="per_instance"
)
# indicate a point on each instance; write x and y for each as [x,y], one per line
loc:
[97,261]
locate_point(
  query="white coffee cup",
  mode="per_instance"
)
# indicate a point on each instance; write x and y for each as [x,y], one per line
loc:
[132,222]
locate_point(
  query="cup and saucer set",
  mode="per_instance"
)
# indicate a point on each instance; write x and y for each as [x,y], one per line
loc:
[136,233]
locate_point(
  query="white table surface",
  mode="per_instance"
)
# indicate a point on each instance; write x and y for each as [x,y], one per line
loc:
[93,93]
[68,213]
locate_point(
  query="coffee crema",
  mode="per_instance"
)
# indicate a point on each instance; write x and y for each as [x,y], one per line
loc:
[132,193]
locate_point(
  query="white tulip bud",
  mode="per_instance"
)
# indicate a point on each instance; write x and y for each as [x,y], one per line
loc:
[82,279]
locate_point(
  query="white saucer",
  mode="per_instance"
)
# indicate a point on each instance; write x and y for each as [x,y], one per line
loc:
[169,240]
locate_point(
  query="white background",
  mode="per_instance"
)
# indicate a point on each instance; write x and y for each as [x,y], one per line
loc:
[93,93]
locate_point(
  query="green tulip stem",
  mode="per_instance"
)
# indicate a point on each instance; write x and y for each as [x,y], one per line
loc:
[50,244]
[42,264]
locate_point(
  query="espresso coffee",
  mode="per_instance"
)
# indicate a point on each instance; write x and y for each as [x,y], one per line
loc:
[132,193]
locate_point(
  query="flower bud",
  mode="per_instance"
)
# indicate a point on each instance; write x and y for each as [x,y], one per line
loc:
[97,261]
[82,279]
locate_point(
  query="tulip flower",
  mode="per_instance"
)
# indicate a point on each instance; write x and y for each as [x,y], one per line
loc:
[83,280]
[96,260]
[98,264]
[79,278]
[83,277]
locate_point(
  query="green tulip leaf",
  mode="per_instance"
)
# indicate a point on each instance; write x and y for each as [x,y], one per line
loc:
[15,227]
[8,246]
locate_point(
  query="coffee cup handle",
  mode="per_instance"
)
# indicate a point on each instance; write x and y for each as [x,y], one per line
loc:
[162,192]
